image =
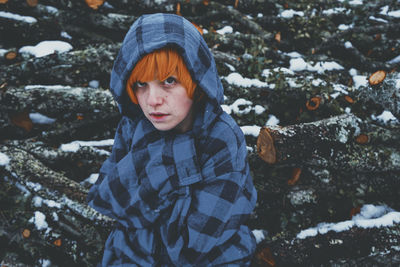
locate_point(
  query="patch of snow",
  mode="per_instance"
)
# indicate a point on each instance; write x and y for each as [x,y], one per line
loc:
[386,117]
[39,220]
[48,87]
[65,35]
[94,84]
[55,216]
[290,13]
[4,159]
[335,10]
[241,102]
[298,64]
[353,72]
[238,80]
[37,201]
[370,216]
[318,82]
[340,88]
[294,54]
[226,108]
[378,19]
[272,121]
[225,30]
[253,130]
[356,2]
[45,262]
[51,9]
[75,145]
[91,179]
[259,235]
[258,109]
[230,67]
[394,60]
[52,204]
[45,48]
[348,45]
[395,13]
[344,27]
[35,186]
[360,80]
[38,118]
[13,16]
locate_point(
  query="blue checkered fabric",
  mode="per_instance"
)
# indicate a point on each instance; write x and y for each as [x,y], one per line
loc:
[177,199]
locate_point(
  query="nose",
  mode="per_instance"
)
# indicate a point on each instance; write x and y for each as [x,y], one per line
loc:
[154,97]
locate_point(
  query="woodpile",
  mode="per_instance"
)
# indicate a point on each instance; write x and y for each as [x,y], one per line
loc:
[332,153]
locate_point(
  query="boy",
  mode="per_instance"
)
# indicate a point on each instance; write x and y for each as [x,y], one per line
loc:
[177,182]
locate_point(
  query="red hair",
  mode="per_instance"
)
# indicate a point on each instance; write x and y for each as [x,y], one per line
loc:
[160,65]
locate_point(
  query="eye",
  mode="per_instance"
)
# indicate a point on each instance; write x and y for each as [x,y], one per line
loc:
[170,81]
[139,84]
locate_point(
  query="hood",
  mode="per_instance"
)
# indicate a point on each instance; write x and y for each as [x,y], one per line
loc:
[155,31]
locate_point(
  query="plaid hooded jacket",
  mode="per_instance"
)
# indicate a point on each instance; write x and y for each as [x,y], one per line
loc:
[178,199]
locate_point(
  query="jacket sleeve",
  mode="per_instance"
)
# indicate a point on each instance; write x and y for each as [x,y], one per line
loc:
[206,227]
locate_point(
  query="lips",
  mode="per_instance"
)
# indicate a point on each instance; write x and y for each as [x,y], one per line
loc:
[158,115]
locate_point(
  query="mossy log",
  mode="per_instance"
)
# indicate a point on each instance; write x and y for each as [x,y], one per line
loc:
[353,247]
[77,113]
[45,217]
[73,68]
[333,143]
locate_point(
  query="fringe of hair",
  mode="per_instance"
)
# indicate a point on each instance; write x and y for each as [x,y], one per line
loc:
[160,65]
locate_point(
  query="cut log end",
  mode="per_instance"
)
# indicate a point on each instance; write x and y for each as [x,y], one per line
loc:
[94,4]
[313,103]
[377,77]
[32,3]
[362,139]
[10,55]
[265,146]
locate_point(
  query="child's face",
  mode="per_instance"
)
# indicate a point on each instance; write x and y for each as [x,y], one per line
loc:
[165,104]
